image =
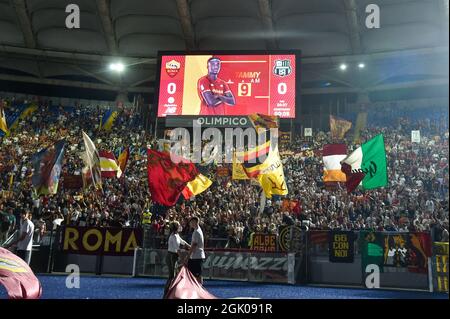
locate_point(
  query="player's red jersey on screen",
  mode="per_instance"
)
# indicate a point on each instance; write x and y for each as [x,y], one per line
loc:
[217,87]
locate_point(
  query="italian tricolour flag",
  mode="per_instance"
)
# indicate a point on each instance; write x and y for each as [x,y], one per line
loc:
[366,166]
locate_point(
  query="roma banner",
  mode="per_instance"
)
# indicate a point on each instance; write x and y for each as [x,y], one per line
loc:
[17,277]
[263,242]
[341,246]
[113,241]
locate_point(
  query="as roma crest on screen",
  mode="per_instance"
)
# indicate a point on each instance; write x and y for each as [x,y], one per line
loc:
[172,68]
[282,67]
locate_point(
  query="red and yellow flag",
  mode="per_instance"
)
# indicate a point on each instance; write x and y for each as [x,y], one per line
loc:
[197,186]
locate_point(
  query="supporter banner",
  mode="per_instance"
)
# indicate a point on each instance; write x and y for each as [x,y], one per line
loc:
[308,131]
[289,238]
[263,242]
[101,241]
[223,171]
[371,247]
[341,246]
[440,248]
[72,181]
[409,250]
[415,136]
[440,264]
[285,138]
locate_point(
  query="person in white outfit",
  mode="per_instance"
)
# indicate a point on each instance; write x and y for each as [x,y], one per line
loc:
[25,239]
[175,243]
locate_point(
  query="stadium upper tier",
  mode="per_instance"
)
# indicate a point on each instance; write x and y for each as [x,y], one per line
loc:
[36,46]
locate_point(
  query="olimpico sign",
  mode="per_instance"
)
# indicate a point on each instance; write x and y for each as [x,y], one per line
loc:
[208,121]
[223,121]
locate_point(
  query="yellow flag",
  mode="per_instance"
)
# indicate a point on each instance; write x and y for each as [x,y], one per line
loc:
[197,186]
[271,177]
[108,122]
[3,126]
[238,170]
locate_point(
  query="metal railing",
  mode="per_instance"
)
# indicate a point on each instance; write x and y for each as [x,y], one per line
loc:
[9,239]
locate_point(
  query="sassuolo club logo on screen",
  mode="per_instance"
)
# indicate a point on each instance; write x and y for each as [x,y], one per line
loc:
[282,67]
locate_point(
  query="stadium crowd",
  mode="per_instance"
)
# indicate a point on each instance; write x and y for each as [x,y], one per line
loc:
[417,198]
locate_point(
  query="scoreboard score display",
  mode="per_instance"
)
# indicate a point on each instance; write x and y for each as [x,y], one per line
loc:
[227,84]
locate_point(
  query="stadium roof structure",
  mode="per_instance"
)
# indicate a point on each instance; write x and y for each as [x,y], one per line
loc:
[409,49]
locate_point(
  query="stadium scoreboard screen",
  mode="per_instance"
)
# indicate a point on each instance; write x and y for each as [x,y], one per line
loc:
[225,84]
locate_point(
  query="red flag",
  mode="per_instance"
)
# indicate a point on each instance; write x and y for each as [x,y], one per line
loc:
[17,277]
[186,286]
[166,179]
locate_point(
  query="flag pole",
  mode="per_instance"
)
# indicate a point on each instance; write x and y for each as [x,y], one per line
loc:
[262,203]
[156,126]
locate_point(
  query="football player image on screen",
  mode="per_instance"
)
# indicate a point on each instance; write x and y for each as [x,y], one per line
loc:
[214,92]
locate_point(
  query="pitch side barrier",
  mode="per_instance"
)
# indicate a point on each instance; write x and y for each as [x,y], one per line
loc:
[225,264]
[388,260]
[385,260]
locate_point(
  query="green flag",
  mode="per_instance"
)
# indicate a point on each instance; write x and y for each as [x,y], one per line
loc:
[367,165]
